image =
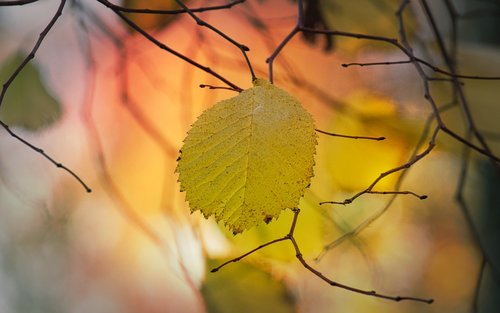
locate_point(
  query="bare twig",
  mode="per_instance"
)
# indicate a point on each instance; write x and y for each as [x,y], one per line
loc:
[168,49]
[299,256]
[484,149]
[13,76]
[217,87]
[172,12]
[395,192]
[416,158]
[240,46]
[293,32]
[33,51]
[375,63]
[399,192]
[358,229]
[45,155]
[350,137]
[477,289]
[459,90]
[16,2]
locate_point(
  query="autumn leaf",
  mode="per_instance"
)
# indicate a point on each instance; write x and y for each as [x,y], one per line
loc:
[249,157]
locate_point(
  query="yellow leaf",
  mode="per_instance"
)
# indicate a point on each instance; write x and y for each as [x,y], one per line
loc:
[249,157]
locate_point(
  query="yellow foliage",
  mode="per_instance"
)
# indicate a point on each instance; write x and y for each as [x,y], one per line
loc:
[248,157]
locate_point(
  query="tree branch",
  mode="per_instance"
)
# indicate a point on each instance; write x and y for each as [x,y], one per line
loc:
[168,49]
[299,256]
[16,73]
[240,46]
[16,2]
[171,12]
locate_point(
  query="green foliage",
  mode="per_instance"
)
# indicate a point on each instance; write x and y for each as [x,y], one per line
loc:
[28,103]
[249,157]
[245,288]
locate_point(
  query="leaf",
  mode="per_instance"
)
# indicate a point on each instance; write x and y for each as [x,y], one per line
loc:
[27,103]
[245,288]
[249,157]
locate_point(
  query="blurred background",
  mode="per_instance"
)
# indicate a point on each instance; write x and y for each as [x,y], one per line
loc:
[114,108]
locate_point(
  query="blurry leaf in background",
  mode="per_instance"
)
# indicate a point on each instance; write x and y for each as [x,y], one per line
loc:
[27,103]
[152,22]
[244,288]
[248,158]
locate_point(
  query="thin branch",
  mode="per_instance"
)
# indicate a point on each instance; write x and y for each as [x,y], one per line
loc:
[350,137]
[395,43]
[441,79]
[217,87]
[333,283]
[168,49]
[293,32]
[455,75]
[470,144]
[395,192]
[465,210]
[215,269]
[16,2]
[399,192]
[270,60]
[171,12]
[477,289]
[429,65]
[459,90]
[46,156]
[376,63]
[13,76]
[374,217]
[399,16]
[33,51]
[202,23]
[415,159]
[485,150]
[299,256]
